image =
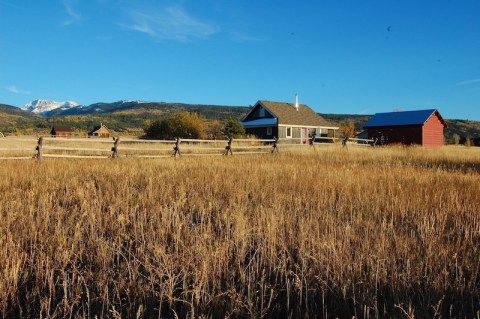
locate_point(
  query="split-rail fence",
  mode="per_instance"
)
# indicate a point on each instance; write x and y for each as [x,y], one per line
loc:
[15,148]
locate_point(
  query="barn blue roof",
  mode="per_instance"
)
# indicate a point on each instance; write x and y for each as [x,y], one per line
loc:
[401,118]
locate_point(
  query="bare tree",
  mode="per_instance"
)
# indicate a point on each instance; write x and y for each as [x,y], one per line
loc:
[456,139]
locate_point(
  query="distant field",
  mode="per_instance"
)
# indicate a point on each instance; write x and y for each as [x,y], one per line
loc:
[324,232]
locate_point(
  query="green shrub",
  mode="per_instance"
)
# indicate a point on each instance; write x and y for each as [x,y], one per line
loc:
[233,128]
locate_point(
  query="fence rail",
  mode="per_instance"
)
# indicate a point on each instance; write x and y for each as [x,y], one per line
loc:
[324,140]
[95,148]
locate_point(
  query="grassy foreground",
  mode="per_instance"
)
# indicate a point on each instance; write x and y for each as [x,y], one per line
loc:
[327,233]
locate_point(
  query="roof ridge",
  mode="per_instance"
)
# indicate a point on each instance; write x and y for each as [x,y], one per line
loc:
[414,117]
[394,112]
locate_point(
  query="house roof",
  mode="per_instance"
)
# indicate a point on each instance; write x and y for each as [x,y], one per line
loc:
[98,128]
[62,128]
[286,114]
[403,118]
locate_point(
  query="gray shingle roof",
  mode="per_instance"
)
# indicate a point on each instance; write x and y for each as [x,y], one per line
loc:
[288,115]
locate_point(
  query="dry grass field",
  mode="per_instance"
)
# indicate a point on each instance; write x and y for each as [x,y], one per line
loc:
[370,233]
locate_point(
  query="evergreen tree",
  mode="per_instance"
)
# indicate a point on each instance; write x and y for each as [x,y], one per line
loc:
[233,128]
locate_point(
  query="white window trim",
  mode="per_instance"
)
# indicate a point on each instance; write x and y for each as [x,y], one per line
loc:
[286,132]
[269,130]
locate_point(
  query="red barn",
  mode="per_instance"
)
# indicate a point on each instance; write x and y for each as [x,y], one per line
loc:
[61,131]
[424,127]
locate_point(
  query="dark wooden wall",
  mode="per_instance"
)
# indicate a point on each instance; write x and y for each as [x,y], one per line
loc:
[261,132]
[407,134]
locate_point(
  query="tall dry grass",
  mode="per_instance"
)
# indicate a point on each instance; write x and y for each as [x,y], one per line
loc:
[319,233]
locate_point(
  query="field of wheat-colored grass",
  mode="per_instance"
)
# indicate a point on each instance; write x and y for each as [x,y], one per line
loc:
[324,232]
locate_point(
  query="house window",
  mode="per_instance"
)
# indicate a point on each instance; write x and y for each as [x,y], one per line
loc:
[269,130]
[261,112]
[289,132]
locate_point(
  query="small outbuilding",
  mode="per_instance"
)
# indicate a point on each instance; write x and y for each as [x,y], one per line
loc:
[61,131]
[294,121]
[99,131]
[423,127]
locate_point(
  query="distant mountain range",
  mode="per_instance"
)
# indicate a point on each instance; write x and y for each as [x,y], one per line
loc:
[130,117]
[45,107]
[51,108]
[48,108]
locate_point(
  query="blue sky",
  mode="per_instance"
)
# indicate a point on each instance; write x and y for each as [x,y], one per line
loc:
[339,56]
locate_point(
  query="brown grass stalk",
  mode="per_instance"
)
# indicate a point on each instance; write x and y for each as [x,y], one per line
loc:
[323,232]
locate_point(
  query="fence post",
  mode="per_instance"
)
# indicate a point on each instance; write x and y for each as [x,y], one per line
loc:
[375,142]
[116,141]
[176,148]
[39,155]
[312,140]
[345,141]
[228,148]
[274,146]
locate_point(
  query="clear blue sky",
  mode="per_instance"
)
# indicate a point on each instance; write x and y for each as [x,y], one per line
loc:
[339,56]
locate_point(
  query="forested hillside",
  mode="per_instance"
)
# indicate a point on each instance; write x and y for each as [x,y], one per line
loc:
[126,118]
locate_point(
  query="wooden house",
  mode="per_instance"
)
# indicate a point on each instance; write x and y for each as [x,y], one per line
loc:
[99,131]
[61,131]
[294,121]
[423,127]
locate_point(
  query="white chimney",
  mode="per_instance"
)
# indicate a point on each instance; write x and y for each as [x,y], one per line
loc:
[296,102]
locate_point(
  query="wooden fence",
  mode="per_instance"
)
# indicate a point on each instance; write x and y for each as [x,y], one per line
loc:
[98,148]
[347,141]
[17,148]
[320,140]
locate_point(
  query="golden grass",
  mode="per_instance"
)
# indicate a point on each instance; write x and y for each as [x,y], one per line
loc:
[386,232]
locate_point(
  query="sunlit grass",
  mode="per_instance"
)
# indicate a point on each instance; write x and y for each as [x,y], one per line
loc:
[322,231]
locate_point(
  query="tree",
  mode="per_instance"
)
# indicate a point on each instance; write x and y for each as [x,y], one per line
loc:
[348,129]
[215,130]
[183,125]
[233,128]
[456,139]
[468,142]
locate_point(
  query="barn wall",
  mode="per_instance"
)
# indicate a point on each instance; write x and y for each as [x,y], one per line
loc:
[408,134]
[103,132]
[60,133]
[433,132]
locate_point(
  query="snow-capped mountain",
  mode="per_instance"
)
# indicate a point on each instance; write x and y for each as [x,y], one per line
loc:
[45,106]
